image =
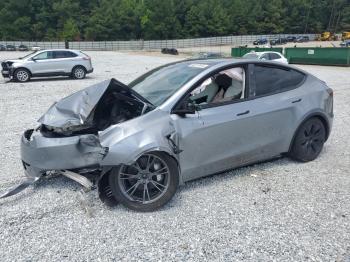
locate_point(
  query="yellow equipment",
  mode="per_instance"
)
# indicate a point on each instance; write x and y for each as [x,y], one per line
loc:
[328,36]
[345,36]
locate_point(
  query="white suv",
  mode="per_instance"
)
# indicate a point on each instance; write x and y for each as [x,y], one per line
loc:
[59,62]
[268,55]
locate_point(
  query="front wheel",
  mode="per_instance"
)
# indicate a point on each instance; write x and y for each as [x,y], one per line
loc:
[147,184]
[308,141]
[21,75]
[78,72]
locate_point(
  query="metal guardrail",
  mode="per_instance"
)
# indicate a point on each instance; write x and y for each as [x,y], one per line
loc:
[153,44]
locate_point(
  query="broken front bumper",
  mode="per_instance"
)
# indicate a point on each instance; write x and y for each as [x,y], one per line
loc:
[40,154]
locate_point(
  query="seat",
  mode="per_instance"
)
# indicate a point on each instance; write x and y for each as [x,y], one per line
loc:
[207,95]
[235,90]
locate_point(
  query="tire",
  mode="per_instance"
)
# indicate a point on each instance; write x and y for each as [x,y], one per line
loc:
[147,184]
[78,72]
[308,141]
[21,75]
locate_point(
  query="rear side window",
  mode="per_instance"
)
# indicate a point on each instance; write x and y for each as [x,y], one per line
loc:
[274,56]
[269,80]
[64,54]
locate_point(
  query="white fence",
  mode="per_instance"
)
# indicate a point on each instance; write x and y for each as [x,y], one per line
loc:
[154,44]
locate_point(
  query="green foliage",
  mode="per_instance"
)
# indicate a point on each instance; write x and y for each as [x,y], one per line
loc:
[159,19]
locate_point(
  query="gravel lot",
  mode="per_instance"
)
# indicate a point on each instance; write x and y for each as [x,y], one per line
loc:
[280,210]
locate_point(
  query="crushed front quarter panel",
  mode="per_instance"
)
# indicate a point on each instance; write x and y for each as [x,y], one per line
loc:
[129,140]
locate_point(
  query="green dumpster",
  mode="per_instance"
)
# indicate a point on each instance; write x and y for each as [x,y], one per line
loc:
[339,56]
[241,51]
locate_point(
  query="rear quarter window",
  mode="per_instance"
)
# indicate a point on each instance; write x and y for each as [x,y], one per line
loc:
[270,80]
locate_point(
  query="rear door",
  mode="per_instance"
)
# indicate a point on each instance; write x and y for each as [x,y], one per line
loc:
[64,60]
[276,100]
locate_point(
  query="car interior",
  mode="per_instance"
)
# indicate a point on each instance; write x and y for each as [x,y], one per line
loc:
[224,86]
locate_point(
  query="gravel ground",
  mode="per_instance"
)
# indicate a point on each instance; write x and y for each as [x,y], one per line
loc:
[280,210]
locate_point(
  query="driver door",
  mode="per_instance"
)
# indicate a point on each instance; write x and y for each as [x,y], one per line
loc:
[217,137]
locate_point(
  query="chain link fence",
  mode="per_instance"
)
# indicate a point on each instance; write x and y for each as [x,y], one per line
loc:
[152,44]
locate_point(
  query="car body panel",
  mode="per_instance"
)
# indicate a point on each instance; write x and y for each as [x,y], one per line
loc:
[210,140]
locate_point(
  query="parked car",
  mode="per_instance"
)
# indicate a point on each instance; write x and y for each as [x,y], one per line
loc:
[2,48]
[261,41]
[10,48]
[302,39]
[345,43]
[268,55]
[179,122]
[291,38]
[58,62]
[207,55]
[278,41]
[23,48]
[36,48]
[170,51]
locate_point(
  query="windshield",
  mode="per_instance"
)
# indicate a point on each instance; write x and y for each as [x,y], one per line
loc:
[250,56]
[27,55]
[159,84]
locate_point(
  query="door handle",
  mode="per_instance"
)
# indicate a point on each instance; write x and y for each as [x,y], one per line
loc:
[296,101]
[243,113]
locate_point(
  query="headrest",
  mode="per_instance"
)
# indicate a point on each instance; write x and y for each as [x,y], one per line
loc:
[223,81]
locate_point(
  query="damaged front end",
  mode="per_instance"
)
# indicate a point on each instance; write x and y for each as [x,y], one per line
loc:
[7,69]
[67,141]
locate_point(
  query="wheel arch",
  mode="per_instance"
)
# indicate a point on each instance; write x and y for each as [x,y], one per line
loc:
[78,66]
[102,181]
[22,67]
[321,116]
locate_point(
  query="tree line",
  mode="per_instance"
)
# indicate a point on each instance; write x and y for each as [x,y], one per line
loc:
[166,19]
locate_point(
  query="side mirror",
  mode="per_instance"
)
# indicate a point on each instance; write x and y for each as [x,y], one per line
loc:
[33,59]
[188,107]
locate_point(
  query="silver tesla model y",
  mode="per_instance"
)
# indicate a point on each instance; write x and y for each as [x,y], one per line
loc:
[176,123]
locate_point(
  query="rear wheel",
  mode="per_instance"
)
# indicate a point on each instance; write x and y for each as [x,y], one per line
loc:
[308,141]
[78,72]
[147,184]
[21,75]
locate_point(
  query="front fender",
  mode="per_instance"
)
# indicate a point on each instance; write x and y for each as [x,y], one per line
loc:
[130,149]
[131,139]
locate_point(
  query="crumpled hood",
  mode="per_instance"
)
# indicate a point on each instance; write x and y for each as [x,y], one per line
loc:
[75,109]
[12,61]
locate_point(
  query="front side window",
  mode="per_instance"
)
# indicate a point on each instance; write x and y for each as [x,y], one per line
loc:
[227,85]
[43,56]
[265,57]
[269,80]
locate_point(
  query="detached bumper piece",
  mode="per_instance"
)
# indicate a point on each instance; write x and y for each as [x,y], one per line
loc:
[15,190]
